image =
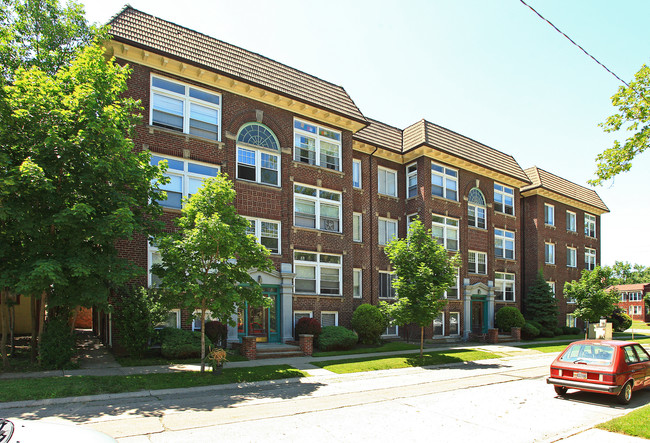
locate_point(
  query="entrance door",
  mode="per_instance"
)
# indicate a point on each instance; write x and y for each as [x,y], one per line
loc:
[477,317]
[262,323]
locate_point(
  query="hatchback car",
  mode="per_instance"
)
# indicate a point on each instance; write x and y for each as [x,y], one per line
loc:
[606,366]
[31,431]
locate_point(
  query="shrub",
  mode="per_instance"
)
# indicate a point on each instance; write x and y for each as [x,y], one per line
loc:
[620,320]
[558,331]
[308,325]
[337,338]
[217,332]
[57,343]
[546,333]
[566,330]
[178,343]
[509,317]
[536,324]
[137,314]
[529,331]
[369,322]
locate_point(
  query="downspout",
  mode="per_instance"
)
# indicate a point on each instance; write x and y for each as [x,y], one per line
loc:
[373,300]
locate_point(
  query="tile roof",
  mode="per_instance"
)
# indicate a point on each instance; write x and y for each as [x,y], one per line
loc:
[152,33]
[381,135]
[559,185]
[630,287]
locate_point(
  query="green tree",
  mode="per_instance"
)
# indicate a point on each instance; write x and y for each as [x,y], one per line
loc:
[206,263]
[633,104]
[624,273]
[423,270]
[592,299]
[541,304]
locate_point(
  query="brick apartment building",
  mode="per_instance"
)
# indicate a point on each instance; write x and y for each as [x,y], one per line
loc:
[326,188]
[632,300]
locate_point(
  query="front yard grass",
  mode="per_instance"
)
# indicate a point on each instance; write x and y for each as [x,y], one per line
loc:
[55,387]
[386,347]
[403,361]
[638,324]
[636,423]
[155,359]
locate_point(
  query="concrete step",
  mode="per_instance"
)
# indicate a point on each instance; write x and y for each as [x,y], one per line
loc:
[281,351]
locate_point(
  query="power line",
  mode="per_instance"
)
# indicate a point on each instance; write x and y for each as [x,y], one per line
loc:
[574,43]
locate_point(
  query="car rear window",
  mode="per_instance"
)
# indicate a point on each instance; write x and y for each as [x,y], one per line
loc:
[601,355]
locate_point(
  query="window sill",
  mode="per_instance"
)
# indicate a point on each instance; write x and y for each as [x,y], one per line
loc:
[318,168]
[511,260]
[172,210]
[477,228]
[262,185]
[389,197]
[310,294]
[387,298]
[549,226]
[549,264]
[318,231]
[188,137]
[512,216]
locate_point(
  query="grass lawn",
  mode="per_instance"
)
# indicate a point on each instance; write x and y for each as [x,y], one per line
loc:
[386,347]
[553,347]
[403,361]
[637,324]
[636,423]
[54,387]
[155,359]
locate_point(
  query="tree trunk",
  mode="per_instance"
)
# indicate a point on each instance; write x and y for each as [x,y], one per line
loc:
[4,320]
[74,319]
[421,341]
[41,322]
[203,335]
[33,343]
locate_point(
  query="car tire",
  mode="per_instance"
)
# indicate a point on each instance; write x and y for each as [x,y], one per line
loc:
[625,395]
[560,390]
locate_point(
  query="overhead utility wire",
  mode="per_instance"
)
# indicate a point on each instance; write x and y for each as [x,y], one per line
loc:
[581,48]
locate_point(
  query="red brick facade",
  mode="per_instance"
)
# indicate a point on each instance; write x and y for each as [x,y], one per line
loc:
[632,300]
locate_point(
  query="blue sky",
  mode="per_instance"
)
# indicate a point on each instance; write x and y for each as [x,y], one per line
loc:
[490,70]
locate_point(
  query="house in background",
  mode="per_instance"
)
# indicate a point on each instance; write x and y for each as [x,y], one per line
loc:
[632,300]
[326,188]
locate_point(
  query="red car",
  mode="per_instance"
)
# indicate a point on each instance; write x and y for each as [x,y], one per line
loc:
[606,366]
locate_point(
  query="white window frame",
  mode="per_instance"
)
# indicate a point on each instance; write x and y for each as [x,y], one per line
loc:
[551,284]
[336,317]
[258,164]
[503,193]
[186,177]
[411,173]
[476,213]
[356,173]
[318,201]
[503,280]
[456,287]
[440,318]
[391,290]
[571,257]
[309,313]
[151,252]
[357,274]
[570,320]
[256,230]
[177,322]
[635,296]
[187,103]
[457,315]
[384,186]
[473,257]
[590,259]
[549,214]
[448,225]
[571,221]
[448,177]
[382,231]
[388,333]
[590,225]
[357,227]
[502,239]
[319,138]
[196,314]
[318,268]
[549,253]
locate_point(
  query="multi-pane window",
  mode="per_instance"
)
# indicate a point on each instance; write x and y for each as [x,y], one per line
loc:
[477,262]
[551,284]
[329,318]
[636,310]
[184,108]
[635,296]
[590,259]
[476,208]
[549,253]
[549,214]
[356,227]
[504,198]
[154,258]
[452,291]
[316,145]
[445,231]
[386,289]
[387,181]
[571,257]
[356,286]
[258,154]
[391,331]
[410,219]
[444,182]
[267,233]
[571,221]
[623,296]
[297,315]
[356,173]
[571,320]
[387,230]
[454,323]
[439,325]
[185,178]
[504,286]
[504,244]
[317,208]
[412,180]
[590,225]
[317,273]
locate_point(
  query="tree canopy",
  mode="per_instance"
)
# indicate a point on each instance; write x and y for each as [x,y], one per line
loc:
[633,104]
[592,299]
[624,273]
[206,262]
[423,270]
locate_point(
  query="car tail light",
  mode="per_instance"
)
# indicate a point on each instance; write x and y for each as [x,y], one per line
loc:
[607,378]
[556,372]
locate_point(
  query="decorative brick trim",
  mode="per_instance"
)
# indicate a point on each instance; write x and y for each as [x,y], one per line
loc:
[249,347]
[307,344]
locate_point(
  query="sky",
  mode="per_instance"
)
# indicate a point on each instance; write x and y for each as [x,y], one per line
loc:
[491,70]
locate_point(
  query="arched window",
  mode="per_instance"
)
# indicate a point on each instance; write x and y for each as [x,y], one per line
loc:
[476,208]
[258,154]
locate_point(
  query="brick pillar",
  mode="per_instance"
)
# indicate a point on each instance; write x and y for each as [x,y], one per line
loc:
[249,347]
[307,344]
[516,333]
[493,336]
